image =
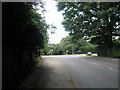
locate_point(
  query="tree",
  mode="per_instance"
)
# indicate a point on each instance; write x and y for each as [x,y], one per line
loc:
[23,26]
[96,20]
[69,46]
[24,33]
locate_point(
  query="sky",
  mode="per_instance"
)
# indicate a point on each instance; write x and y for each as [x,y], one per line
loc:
[52,16]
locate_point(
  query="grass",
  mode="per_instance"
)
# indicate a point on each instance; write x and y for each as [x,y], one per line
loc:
[36,61]
[93,54]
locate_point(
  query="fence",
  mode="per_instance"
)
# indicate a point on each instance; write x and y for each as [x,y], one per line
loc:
[10,64]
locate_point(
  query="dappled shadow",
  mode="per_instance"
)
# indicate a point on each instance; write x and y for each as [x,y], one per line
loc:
[38,78]
[43,74]
[49,74]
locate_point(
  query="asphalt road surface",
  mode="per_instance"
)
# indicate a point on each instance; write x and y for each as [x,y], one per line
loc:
[90,72]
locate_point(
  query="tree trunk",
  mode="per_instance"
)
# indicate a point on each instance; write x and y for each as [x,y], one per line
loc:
[109,42]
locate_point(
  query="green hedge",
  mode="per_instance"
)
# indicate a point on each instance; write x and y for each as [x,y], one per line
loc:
[91,48]
[116,51]
[116,48]
[36,61]
[102,50]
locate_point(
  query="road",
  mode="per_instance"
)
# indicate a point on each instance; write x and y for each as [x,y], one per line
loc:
[90,72]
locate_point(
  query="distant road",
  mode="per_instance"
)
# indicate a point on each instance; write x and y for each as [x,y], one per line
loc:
[90,72]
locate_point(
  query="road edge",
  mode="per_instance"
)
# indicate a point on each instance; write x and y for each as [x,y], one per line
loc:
[74,82]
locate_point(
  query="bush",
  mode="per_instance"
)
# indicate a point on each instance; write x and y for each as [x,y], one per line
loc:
[90,48]
[116,49]
[102,50]
[116,52]
[36,61]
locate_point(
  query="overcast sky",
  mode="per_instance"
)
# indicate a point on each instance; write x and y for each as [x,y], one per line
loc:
[54,17]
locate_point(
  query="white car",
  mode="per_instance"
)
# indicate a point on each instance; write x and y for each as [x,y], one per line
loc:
[89,53]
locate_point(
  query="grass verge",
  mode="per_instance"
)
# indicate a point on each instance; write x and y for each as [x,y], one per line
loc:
[36,61]
[93,54]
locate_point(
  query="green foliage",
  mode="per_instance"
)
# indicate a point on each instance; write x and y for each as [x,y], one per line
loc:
[23,27]
[87,19]
[36,61]
[87,48]
[116,52]
[116,48]
[69,45]
[102,50]
[68,48]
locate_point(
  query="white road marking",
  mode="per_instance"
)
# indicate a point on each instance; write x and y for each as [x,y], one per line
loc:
[113,69]
[94,63]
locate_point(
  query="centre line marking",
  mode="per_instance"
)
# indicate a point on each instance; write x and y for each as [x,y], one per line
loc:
[94,63]
[113,69]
